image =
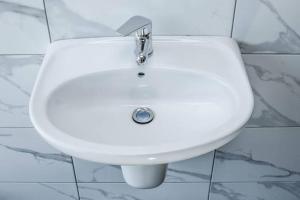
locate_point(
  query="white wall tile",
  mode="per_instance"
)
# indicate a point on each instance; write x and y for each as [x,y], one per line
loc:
[77,18]
[174,191]
[23,27]
[275,80]
[26,157]
[255,191]
[17,76]
[38,191]
[197,169]
[260,154]
[268,26]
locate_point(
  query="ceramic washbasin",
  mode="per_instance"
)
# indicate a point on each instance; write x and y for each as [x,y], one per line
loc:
[88,89]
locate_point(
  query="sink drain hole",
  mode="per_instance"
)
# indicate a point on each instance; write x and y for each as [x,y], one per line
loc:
[142,115]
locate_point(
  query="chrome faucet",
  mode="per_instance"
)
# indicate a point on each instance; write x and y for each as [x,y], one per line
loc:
[143,28]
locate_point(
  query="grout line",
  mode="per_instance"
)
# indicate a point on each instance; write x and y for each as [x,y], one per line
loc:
[48,27]
[16,127]
[211,175]
[262,127]
[252,181]
[233,18]
[25,182]
[120,182]
[272,54]
[75,178]
[21,54]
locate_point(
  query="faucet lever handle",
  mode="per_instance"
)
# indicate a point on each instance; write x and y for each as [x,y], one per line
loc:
[135,23]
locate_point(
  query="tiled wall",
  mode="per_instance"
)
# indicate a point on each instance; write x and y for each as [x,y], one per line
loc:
[262,163]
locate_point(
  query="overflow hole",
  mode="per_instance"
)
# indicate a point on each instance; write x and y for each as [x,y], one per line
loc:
[141,74]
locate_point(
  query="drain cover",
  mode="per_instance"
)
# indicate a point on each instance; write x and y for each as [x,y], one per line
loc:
[142,115]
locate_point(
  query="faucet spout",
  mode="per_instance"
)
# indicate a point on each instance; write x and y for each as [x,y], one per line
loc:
[143,28]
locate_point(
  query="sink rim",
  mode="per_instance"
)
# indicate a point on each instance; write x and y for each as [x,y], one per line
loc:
[79,147]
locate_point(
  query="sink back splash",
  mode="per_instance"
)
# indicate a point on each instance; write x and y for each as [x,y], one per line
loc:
[260,26]
[268,33]
[176,17]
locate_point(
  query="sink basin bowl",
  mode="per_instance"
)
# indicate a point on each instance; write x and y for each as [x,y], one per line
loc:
[87,90]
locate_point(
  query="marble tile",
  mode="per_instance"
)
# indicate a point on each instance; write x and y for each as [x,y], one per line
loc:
[23,27]
[38,191]
[255,191]
[275,80]
[192,170]
[77,18]
[174,191]
[267,26]
[17,76]
[260,154]
[87,171]
[26,157]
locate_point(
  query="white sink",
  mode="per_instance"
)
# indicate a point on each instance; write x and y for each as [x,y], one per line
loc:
[88,89]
